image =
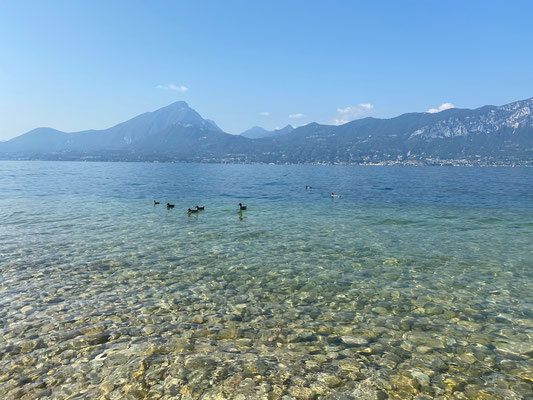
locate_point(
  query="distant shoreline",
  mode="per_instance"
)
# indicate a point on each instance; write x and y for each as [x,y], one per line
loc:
[432,163]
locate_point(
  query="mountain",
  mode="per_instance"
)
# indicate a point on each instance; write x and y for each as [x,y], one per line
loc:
[124,136]
[490,135]
[257,132]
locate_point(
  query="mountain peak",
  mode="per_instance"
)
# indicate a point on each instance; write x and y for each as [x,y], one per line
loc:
[178,104]
[257,132]
[178,112]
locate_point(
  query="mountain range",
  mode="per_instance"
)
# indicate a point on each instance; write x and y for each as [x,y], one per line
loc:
[490,135]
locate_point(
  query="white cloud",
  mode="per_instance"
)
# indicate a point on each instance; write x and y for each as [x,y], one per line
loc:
[442,107]
[171,86]
[264,113]
[298,115]
[350,113]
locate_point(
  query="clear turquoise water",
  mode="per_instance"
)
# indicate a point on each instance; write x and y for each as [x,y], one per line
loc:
[417,282]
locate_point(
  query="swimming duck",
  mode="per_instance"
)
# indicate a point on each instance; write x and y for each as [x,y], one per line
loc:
[192,211]
[155,203]
[308,187]
[241,207]
[170,205]
[335,195]
[200,208]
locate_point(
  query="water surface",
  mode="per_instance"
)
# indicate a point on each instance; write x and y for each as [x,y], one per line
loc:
[417,283]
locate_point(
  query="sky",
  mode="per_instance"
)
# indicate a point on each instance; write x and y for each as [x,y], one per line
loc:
[76,65]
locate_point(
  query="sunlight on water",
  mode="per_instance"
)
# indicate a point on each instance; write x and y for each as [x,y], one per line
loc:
[417,282]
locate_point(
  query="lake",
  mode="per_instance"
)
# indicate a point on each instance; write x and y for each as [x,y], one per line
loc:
[416,283]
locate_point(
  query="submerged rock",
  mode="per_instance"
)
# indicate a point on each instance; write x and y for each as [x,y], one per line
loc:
[353,341]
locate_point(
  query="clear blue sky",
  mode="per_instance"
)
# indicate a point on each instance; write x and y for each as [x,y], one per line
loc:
[76,65]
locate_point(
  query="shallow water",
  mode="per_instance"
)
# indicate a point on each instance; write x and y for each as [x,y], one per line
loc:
[417,283]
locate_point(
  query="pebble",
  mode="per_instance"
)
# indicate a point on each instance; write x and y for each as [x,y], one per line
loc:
[329,380]
[354,341]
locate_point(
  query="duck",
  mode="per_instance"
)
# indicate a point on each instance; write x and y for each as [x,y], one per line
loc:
[241,207]
[335,195]
[170,205]
[200,208]
[156,203]
[308,187]
[192,211]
